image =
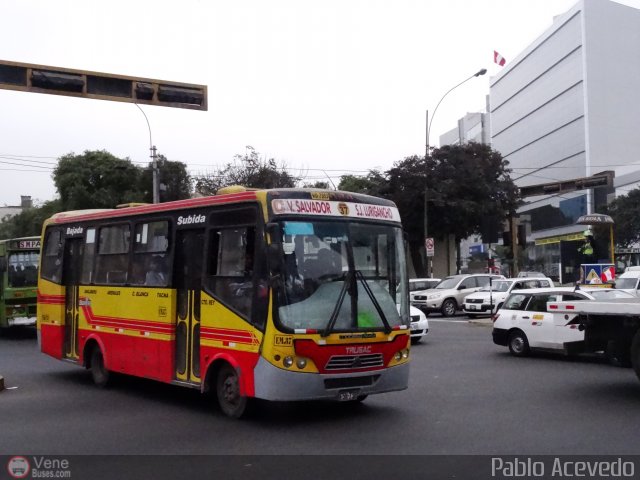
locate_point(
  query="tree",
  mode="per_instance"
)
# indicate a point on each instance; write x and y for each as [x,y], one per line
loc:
[374,183]
[249,170]
[96,179]
[318,184]
[28,222]
[625,211]
[175,182]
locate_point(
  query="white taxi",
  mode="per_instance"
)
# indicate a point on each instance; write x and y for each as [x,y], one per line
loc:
[524,323]
[419,325]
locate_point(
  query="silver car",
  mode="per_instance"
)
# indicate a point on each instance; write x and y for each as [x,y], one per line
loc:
[448,296]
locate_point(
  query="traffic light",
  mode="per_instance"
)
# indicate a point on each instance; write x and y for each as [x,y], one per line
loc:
[27,77]
[522,235]
[506,238]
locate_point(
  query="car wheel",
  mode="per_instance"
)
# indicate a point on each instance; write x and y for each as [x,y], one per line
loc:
[449,308]
[416,340]
[518,343]
[231,402]
[99,372]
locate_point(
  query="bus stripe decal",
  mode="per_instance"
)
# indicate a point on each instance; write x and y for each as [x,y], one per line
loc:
[130,324]
[226,335]
[161,207]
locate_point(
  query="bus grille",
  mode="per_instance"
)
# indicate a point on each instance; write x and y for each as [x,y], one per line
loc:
[350,382]
[351,362]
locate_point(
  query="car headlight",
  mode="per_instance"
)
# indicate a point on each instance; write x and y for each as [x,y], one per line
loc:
[434,297]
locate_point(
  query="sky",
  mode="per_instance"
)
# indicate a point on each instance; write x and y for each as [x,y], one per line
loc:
[326,88]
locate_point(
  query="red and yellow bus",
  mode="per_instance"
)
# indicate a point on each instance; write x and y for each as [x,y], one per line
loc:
[286,294]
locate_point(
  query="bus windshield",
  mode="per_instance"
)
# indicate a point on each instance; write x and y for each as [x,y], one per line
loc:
[23,269]
[343,277]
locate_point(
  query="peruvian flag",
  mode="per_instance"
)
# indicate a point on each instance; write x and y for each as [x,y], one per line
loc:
[499,59]
[608,274]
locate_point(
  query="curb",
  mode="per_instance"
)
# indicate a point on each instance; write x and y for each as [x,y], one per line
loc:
[1,383]
[487,322]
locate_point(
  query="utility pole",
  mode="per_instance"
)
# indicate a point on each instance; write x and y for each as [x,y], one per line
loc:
[426,194]
[156,183]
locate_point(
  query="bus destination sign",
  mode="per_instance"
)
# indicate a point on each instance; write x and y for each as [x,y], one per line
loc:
[332,208]
[26,244]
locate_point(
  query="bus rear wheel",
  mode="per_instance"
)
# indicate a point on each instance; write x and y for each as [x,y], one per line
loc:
[231,402]
[99,372]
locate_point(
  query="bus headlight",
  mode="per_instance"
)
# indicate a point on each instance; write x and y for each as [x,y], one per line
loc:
[398,356]
[301,363]
[405,354]
[288,361]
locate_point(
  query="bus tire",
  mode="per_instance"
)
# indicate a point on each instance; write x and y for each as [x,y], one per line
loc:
[518,343]
[99,372]
[231,402]
[635,353]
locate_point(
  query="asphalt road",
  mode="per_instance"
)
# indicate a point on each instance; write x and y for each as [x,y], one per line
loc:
[466,396]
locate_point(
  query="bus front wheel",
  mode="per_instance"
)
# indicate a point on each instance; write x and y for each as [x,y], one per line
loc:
[231,402]
[99,372]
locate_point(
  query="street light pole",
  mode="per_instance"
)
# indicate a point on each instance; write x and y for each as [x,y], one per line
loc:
[480,72]
[154,161]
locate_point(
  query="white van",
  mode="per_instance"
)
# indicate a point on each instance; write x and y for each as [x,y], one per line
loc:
[628,281]
[491,298]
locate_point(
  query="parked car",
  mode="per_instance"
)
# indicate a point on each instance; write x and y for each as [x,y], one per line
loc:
[531,274]
[416,284]
[419,325]
[524,323]
[448,296]
[489,299]
[629,281]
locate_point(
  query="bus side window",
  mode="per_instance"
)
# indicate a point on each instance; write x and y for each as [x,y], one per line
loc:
[51,268]
[230,267]
[112,262]
[89,256]
[150,265]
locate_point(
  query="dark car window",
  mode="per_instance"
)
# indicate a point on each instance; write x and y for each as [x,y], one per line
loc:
[572,297]
[470,282]
[482,281]
[516,301]
[538,303]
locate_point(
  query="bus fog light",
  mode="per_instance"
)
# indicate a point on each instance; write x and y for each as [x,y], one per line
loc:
[287,362]
[301,363]
[398,356]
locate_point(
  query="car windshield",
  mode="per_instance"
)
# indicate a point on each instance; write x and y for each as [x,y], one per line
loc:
[342,277]
[497,286]
[449,282]
[626,282]
[608,294]
[23,269]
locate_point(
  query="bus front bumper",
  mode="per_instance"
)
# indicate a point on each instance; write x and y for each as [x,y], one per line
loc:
[273,383]
[21,321]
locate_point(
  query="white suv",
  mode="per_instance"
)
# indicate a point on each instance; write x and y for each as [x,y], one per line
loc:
[491,298]
[448,296]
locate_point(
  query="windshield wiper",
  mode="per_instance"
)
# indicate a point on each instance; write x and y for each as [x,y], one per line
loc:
[360,276]
[336,310]
[350,283]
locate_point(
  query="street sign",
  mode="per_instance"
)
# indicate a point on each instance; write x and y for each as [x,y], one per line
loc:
[430,246]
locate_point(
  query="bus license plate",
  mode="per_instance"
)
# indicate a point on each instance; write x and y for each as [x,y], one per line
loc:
[348,395]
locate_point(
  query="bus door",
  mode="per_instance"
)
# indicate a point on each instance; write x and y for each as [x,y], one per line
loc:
[72,268]
[187,275]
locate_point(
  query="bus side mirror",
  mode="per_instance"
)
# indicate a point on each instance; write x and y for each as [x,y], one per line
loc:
[3,264]
[274,249]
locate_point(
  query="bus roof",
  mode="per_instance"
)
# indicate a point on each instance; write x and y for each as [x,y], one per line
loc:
[239,195]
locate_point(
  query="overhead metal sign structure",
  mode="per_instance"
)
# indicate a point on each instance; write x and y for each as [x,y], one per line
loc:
[28,77]
[603,179]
